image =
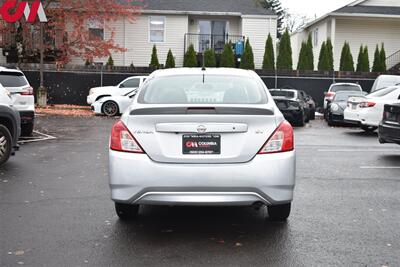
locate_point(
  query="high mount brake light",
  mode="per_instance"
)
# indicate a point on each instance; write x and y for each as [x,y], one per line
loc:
[282,140]
[122,140]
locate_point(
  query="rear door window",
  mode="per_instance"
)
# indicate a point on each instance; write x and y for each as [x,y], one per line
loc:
[283,93]
[131,83]
[12,79]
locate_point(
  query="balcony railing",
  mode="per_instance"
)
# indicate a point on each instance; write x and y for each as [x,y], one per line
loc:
[201,42]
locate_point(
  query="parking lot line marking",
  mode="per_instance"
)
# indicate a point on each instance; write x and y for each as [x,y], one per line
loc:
[380,167]
[44,137]
[358,150]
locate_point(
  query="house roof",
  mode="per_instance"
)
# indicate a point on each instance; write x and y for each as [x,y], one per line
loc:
[376,10]
[239,7]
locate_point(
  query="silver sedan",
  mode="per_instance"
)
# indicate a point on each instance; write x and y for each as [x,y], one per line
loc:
[202,137]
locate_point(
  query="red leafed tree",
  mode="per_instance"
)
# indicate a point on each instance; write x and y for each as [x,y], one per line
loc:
[67,29]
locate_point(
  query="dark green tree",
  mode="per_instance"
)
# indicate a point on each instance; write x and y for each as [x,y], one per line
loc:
[227,57]
[154,63]
[170,62]
[247,60]
[382,55]
[302,64]
[209,58]
[269,55]
[376,67]
[322,59]
[360,59]
[110,62]
[329,55]
[366,60]
[284,60]
[190,59]
[276,6]
[309,54]
[346,59]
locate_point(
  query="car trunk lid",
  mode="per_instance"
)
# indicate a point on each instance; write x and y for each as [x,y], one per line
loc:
[224,134]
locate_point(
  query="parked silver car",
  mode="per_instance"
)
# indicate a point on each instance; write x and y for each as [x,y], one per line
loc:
[202,137]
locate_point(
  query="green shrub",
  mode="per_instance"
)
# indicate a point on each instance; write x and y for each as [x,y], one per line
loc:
[284,60]
[269,55]
[322,59]
[382,55]
[190,59]
[209,58]
[376,67]
[346,59]
[170,62]
[110,62]
[154,63]
[329,55]
[247,60]
[227,57]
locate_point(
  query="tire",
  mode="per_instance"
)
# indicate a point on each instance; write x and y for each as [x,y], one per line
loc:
[369,129]
[302,121]
[126,211]
[5,144]
[279,213]
[110,108]
[27,129]
[312,114]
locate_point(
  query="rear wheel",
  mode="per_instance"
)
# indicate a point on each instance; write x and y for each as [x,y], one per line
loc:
[27,129]
[110,108]
[126,211]
[312,114]
[5,144]
[279,213]
[369,129]
[302,120]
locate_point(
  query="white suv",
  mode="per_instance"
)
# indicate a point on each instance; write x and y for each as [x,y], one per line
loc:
[21,97]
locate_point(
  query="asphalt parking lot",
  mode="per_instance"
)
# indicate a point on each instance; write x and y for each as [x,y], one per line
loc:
[56,211]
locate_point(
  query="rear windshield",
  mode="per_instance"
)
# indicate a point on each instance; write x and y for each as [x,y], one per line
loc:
[283,93]
[345,96]
[196,89]
[385,82]
[383,92]
[337,88]
[12,79]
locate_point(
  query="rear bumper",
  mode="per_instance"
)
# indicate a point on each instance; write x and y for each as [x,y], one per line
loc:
[27,117]
[292,115]
[389,133]
[136,179]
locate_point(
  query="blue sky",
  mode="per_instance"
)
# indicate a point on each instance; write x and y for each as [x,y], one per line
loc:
[313,7]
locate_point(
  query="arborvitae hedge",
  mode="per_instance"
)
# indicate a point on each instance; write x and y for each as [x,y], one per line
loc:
[269,55]
[190,59]
[346,59]
[322,60]
[110,62]
[309,54]
[209,58]
[366,59]
[376,67]
[301,65]
[284,60]
[363,60]
[247,60]
[227,57]
[329,54]
[360,59]
[382,55]
[154,63]
[170,62]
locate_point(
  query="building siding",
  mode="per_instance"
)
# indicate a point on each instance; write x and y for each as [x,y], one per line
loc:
[257,30]
[370,32]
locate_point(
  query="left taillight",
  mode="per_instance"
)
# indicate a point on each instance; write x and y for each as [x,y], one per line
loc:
[123,141]
[367,104]
[27,91]
[282,140]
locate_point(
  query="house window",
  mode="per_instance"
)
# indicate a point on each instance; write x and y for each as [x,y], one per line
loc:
[316,37]
[96,30]
[157,29]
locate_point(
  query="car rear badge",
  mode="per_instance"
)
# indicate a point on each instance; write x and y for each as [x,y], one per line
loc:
[201,129]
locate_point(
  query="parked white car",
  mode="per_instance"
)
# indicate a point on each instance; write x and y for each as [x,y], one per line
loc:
[122,88]
[113,105]
[367,111]
[5,96]
[336,87]
[22,97]
[384,81]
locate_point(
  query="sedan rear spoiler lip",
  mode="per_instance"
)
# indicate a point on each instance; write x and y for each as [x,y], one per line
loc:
[203,111]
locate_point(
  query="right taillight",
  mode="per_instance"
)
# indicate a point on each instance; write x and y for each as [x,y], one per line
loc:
[367,104]
[282,140]
[330,94]
[122,140]
[27,91]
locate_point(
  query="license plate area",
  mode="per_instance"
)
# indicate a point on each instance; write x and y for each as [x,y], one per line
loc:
[201,144]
